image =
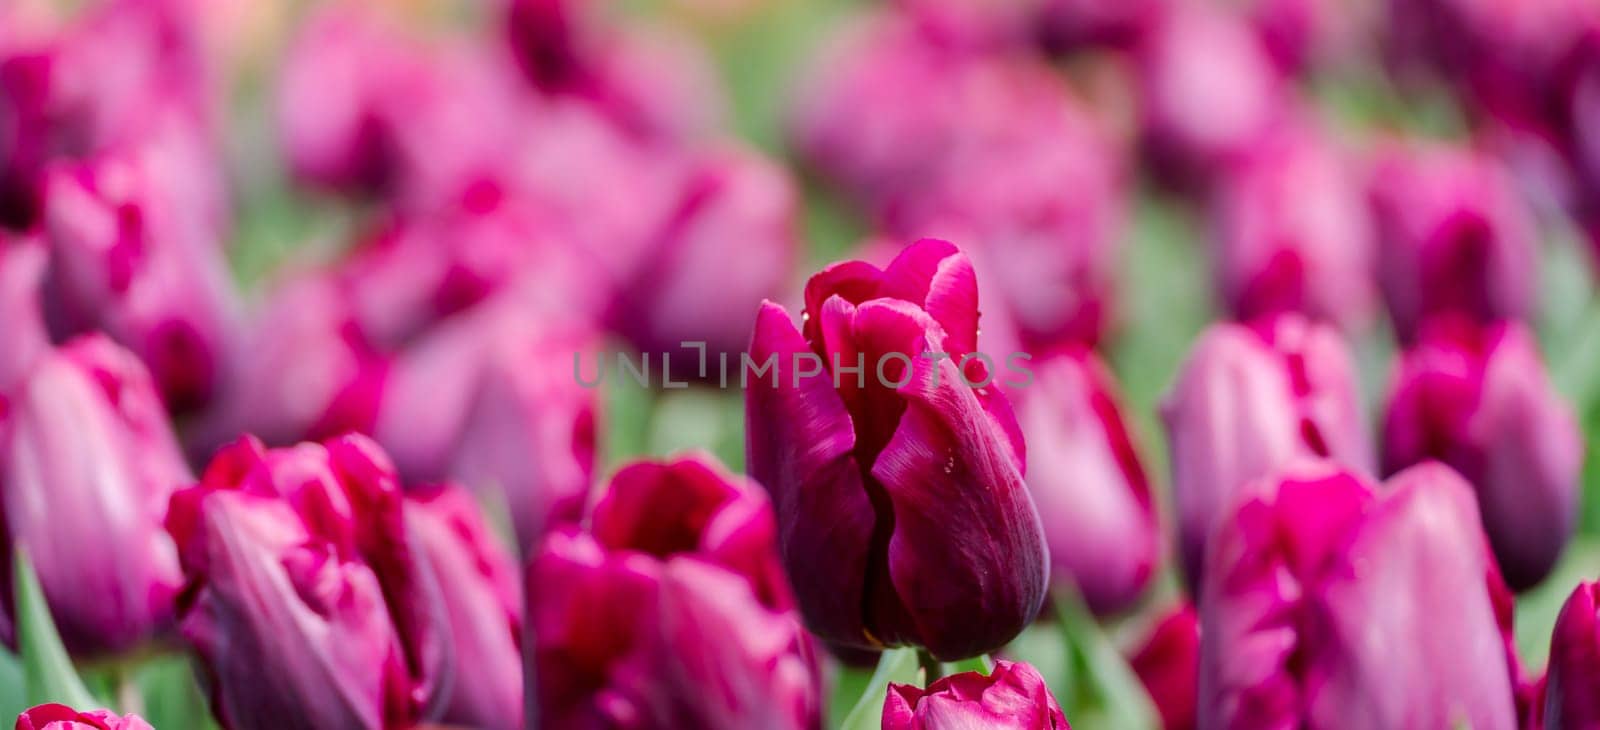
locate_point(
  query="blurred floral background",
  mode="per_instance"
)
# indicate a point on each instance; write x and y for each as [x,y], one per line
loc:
[1235,236]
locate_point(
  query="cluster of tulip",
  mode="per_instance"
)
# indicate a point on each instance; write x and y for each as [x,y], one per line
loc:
[368,487]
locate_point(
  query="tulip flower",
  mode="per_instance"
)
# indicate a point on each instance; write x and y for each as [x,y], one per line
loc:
[25,140]
[1453,237]
[1068,24]
[22,266]
[902,515]
[1479,400]
[676,589]
[730,243]
[1086,480]
[62,717]
[87,463]
[310,604]
[1572,685]
[1248,400]
[1168,665]
[482,597]
[1292,232]
[1331,604]
[1012,697]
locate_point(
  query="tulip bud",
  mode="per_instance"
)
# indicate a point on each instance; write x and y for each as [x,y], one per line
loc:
[676,589]
[730,243]
[62,717]
[25,147]
[1247,401]
[1168,665]
[87,463]
[1479,400]
[482,597]
[1065,25]
[1328,604]
[310,602]
[22,265]
[902,515]
[1292,233]
[1453,237]
[1087,482]
[1572,685]
[1012,697]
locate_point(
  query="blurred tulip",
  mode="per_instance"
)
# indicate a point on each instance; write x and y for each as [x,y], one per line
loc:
[1168,664]
[1453,236]
[310,604]
[677,589]
[1328,604]
[22,266]
[1479,400]
[87,463]
[483,599]
[25,136]
[1572,686]
[1012,697]
[1293,234]
[1209,88]
[1247,401]
[731,242]
[62,717]
[137,236]
[1070,24]
[1085,477]
[903,518]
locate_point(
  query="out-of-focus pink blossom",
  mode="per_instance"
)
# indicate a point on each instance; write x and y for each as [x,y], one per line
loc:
[1168,665]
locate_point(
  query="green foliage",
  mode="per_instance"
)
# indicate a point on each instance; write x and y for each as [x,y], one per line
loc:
[47,671]
[898,666]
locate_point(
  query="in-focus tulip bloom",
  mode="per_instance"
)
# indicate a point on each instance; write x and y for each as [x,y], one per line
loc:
[1453,237]
[1085,477]
[903,518]
[1168,665]
[1572,683]
[310,604]
[1478,399]
[87,463]
[1012,697]
[1292,232]
[482,597]
[675,589]
[1329,603]
[62,717]
[1248,400]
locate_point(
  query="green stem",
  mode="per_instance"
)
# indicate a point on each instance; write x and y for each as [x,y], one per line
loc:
[932,669]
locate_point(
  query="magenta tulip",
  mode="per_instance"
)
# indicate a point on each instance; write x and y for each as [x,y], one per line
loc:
[62,717]
[1329,603]
[1168,665]
[1572,686]
[1012,697]
[1479,400]
[902,515]
[1247,401]
[1086,479]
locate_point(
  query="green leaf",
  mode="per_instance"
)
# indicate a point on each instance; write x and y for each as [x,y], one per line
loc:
[47,670]
[898,666]
[1101,690]
[980,664]
[1537,609]
[13,690]
[172,699]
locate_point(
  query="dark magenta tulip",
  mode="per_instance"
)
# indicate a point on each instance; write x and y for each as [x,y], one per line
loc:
[1248,400]
[1332,603]
[62,717]
[1572,684]
[1168,665]
[902,515]
[1012,697]
[674,588]
[1086,479]
[1478,399]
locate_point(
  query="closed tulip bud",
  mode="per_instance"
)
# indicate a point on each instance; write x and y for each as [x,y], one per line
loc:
[1453,237]
[136,235]
[1330,604]
[1293,234]
[482,597]
[1247,401]
[730,243]
[87,463]
[309,597]
[1168,665]
[676,589]
[62,717]
[1572,684]
[1478,399]
[902,515]
[1086,480]
[1012,697]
